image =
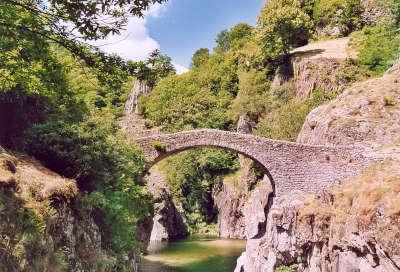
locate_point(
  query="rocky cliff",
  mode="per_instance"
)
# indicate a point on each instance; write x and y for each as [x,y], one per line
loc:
[232,195]
[168,221]
[366,115]
[354,227]
[44,224]
[322,65]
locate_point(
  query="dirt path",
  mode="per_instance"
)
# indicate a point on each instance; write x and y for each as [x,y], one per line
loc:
[336,49]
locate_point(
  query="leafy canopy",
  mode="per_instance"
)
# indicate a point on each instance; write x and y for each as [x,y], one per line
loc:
[282,25]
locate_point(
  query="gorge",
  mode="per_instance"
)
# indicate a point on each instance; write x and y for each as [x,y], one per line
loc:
[277,150]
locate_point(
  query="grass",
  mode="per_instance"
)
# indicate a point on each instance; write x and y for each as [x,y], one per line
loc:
[376,189]
[159,146]
[26,207]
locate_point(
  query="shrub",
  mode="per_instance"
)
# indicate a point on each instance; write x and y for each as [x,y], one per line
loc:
[378,47]
[286,115]
[291,268]
[282,25]
[159,146]
[345,14]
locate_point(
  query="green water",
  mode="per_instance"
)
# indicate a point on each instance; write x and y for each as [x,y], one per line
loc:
[193,255]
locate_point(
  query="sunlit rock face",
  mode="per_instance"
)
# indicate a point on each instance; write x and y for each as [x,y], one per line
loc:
[356,226]
[366,115]
[317,243]
[168,220]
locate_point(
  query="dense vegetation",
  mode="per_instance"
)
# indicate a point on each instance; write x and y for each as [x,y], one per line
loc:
[60,99]
[56,108]
[235,80]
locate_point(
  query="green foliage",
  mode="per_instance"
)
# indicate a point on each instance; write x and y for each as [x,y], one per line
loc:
[192,175]
[291,268]
[159,146]
[197,99]
[200,57]
[345,14]
[282,25]
[160,67]
[233,38]
[252,95]
[286,113]
[92,20]
[378,46]
[26,59]
[65,114]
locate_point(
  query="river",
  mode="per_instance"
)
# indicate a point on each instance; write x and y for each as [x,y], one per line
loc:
[193,255]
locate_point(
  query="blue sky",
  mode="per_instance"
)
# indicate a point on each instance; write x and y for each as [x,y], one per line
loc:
[186,25]
[180,27]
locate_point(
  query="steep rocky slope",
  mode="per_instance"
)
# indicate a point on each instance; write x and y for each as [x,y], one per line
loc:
[356,226]
[366,115]
[168,221]
[44,226]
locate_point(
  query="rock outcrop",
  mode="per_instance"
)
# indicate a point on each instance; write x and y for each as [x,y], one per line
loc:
[231,198]
[367,115]
[168,219]
[355,226]
[43,224]
[374,11]
[139,88]
[345,230]
[321,66]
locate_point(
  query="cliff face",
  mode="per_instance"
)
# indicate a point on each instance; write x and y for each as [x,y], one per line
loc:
[231,199]
[43,224]
[352,228]
[322,66]
[168,221]
[366,115]
[356,226]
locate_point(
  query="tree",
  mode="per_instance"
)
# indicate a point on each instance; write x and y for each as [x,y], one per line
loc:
[160,66]
[227,39]
[282,25]
[223,42]
[70,23]
[345,14]
[88,20]
[200,57]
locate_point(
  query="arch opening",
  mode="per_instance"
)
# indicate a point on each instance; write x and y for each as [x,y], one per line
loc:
[169,152]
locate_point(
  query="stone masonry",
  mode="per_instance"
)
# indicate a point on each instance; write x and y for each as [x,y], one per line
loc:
[290,166]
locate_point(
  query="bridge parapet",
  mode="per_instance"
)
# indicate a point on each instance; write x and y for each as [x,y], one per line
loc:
[291,166]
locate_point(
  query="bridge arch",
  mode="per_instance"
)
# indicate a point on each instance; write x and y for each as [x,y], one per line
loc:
[290,166]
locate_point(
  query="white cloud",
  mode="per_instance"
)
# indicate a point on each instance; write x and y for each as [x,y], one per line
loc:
[180,69]
[135,43]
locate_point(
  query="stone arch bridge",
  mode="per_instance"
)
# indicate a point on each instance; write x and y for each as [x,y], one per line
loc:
[290,166]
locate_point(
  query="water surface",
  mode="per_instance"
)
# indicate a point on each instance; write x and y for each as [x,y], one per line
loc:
[193,255]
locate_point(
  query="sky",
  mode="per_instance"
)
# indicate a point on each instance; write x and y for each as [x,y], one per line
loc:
[179,27]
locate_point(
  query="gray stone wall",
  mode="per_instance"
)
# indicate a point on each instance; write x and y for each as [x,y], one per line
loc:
[291,166]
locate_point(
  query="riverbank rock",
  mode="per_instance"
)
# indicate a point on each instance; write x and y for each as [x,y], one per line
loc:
[168,220]
[354,226]
[44,226]
[345,230]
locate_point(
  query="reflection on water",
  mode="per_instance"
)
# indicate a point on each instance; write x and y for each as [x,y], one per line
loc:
[193,255]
